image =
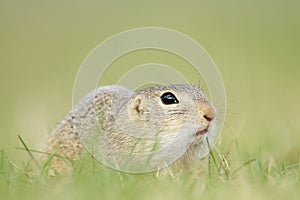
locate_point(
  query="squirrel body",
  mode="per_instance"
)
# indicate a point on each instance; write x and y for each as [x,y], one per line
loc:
[114,123]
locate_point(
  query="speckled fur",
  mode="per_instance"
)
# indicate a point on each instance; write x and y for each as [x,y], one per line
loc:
[97,110]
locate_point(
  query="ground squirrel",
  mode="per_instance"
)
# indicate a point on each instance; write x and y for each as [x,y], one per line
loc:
[114,118]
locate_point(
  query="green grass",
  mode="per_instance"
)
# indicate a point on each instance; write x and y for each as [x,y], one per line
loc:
[228,176]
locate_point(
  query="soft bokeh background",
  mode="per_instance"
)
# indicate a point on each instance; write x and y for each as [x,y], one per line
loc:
[255,44]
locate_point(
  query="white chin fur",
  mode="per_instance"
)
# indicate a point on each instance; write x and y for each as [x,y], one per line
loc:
[173,146]
[186,140]
[210,137]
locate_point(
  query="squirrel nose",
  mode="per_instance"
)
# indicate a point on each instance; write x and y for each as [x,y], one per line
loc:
[208,117]
[209,112]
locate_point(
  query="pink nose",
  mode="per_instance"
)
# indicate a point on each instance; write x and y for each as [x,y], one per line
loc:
[209,112]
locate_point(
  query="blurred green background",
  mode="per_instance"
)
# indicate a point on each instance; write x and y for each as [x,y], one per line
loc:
[255,44]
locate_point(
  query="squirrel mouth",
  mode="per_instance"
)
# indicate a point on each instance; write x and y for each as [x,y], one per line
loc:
[202,132]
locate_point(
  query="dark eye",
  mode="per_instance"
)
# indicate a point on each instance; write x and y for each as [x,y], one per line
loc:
[168,98]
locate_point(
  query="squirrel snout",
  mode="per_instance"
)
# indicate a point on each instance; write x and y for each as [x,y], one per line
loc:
[209,112]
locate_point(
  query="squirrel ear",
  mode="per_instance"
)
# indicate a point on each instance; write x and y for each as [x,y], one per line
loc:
[136,106]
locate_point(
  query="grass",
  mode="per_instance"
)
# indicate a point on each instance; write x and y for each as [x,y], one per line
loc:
[227,176]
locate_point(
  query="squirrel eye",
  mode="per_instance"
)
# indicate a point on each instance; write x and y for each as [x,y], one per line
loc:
[168,98]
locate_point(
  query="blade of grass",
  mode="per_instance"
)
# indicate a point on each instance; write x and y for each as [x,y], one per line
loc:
[259,168]
[243,165]
[1,159]
[17,168]
[46,153]
[212,156]
[29,152]
[284,168]
[223,164]
[47,163]
[292,166]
